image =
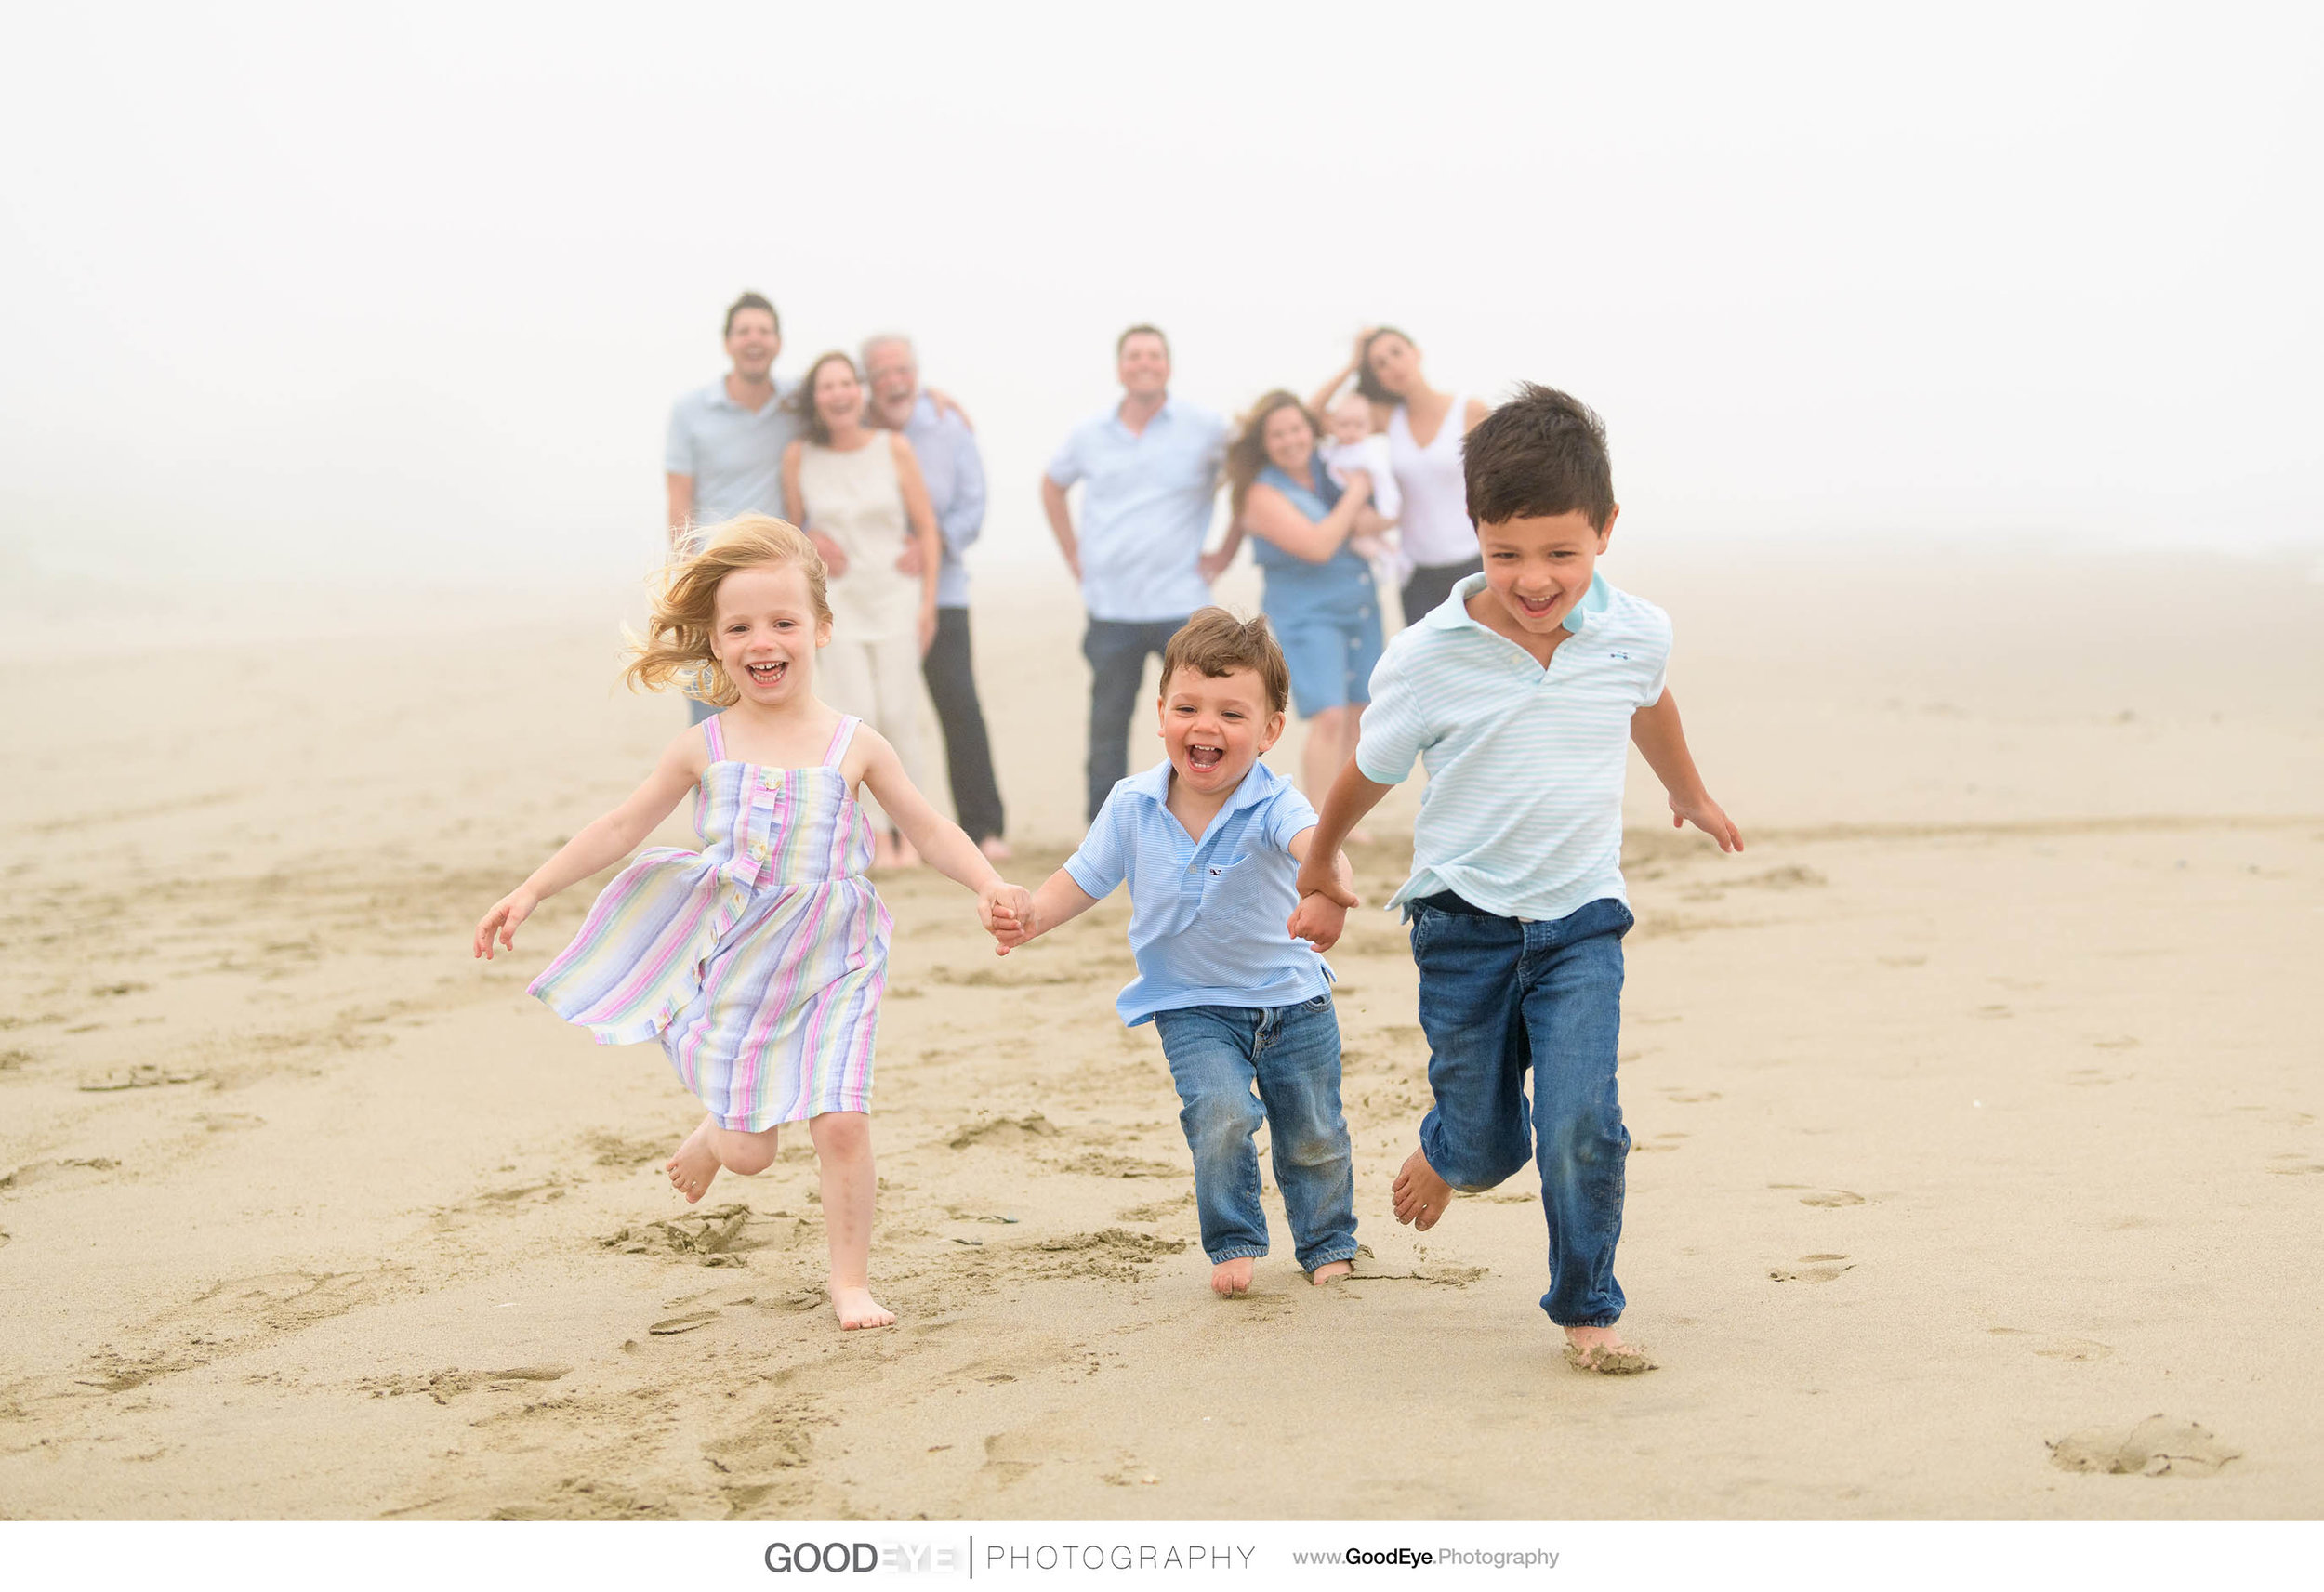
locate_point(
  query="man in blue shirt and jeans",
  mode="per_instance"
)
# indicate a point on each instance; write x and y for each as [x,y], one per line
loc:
[1149,474]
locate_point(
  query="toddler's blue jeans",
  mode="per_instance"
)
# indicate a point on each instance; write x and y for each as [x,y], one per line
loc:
[1291,1055]
[1498,997]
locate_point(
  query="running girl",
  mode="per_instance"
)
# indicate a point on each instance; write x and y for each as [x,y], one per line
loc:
[759,960]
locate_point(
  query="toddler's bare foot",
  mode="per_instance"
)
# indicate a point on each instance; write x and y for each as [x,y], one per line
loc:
[1601,1349]
[1228,1278]
[1359,837]
[1419,1195]
[1331,1271]
[694,1165]
[857,1310]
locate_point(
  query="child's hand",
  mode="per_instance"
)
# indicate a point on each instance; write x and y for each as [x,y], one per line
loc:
[1007,912]
[1367,547]
[511,909]
[1322,877]
[1708,816]
[1319,920]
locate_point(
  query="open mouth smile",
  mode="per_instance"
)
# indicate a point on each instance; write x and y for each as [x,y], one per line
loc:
[1204,759]
[767,673]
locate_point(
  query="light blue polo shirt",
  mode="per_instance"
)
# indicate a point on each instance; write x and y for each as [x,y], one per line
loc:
[1522,813]
[1206,916]
[1146,500]
[734,454]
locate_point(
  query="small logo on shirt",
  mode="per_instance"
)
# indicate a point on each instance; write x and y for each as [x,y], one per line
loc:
[1624,656]
[1217,873]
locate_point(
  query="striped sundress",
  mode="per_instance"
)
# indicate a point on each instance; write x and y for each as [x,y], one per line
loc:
[759,960]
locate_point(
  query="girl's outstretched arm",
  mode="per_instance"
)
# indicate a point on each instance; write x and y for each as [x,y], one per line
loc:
[602,842]
[943,844]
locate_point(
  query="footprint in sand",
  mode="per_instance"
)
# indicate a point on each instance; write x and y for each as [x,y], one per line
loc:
[1829,1198]
[1812,1269]
[2156,1446]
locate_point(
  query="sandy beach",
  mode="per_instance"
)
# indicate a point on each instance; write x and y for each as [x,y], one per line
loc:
[1974,1105]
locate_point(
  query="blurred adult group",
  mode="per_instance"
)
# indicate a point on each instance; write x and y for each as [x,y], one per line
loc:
[1354,491]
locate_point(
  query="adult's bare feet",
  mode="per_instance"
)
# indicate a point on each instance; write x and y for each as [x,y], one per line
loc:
[1331,1271]
[1419,1195]
[694,1165]
[1604,1350]
[857,1310]
[996,849]
[1228,1278]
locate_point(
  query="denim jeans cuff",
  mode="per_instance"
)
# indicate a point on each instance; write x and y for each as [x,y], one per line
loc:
[1592,1321]
[1337,1252]
[1238,1252]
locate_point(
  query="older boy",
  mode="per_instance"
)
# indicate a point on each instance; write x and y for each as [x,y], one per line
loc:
[1209,842]
[1519,695]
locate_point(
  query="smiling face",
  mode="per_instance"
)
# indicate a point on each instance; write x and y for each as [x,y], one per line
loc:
[839,396]
[1144,365]
[751,343]
[895,381]
[1394,363]
[1289,440]
[1214,728]
[766,631]
[1536,570]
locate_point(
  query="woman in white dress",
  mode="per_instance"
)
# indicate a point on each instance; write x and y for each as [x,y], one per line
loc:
[857,492]
[1424,428]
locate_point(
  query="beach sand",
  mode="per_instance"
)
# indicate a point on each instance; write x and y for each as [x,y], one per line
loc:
[1974,1105]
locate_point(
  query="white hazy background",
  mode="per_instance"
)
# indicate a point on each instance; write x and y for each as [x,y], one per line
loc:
[399,298]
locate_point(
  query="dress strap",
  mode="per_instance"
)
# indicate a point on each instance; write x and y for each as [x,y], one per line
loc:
[839,740]
[713,739]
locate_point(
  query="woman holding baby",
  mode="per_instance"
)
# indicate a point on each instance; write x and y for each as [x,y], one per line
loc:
[1319,597]
[1424,428]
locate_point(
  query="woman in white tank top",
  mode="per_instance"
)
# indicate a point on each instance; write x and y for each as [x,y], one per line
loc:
[1435,528]
[858,493]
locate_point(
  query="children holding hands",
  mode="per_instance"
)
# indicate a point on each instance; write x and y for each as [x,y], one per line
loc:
[1208,841]
[759,960]
[1520,696]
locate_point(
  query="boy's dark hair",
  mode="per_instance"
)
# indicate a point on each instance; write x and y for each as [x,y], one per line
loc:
[1541,454]
[1141,329]
[751,301]
[1214,644]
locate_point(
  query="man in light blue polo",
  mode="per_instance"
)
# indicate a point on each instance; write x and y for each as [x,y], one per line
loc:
[1149,474]
[724,455]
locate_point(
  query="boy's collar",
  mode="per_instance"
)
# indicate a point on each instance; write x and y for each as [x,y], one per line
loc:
[1453,613]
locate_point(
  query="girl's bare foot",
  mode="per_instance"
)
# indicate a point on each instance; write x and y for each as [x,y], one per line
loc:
[1228,1278]
[1331,1271]
[857,1310]
[1419,1195]
[1602,1350]
[694,1165]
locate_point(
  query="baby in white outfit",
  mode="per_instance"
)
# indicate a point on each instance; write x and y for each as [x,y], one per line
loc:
[1356,446]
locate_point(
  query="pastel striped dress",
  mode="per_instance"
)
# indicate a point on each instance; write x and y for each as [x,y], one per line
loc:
[759,960]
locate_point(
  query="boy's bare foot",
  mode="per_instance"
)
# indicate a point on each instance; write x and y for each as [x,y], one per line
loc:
[1228,1278]
[694,1165]
[1330,1271]
[1419,1195]
[1602,1350]
[857,1310]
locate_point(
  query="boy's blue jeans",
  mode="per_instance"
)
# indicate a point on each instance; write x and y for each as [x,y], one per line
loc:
[1291,1055]
[1498,997]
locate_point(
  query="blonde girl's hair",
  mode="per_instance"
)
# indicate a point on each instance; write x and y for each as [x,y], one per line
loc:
[683,611]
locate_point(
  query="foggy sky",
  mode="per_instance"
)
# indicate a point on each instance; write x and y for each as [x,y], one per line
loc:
[406,295]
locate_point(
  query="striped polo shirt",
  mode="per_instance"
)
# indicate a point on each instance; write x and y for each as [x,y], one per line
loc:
[1207,913]
[1522,814]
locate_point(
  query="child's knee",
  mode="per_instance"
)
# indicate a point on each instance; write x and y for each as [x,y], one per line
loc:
[841,1135]
[1218,1121]
[747,1153]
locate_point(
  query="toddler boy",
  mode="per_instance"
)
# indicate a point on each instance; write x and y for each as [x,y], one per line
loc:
[1209,842]
[1519,695]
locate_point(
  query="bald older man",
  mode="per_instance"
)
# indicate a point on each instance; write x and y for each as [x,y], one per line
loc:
[955,474]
